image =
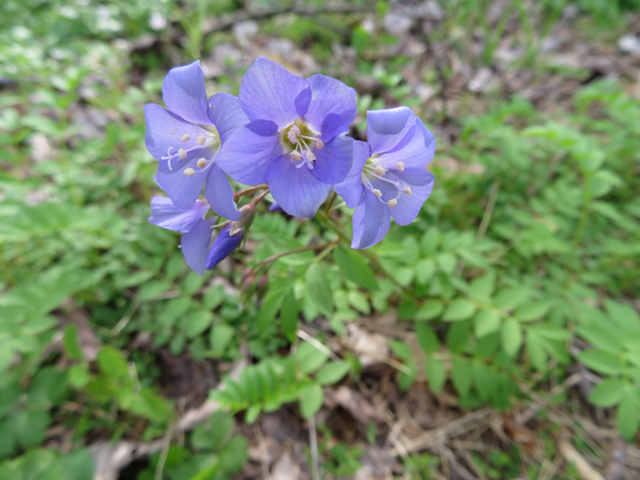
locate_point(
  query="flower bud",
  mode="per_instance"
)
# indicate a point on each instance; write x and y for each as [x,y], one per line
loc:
[263,285]
[244,222]
[246,274]
[223,245]
[247,289]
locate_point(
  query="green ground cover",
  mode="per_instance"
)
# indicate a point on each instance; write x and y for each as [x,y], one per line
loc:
[514,295]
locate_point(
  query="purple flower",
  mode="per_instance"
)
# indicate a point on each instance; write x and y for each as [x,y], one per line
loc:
[274,207]
[223,245]
[388,176]
[295,139]
[197,231]
[186,138]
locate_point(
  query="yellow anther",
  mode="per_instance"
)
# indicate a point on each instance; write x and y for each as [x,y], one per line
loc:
[379,170]
[295,156]
[319,144]
[407,190]
[182,154]
[185,137]
[202,163]
[392,203]
[202,139]
[400,166]
[189,172]
[310,156]
[377,192]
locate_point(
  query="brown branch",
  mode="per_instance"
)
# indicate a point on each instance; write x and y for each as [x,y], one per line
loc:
[236,196]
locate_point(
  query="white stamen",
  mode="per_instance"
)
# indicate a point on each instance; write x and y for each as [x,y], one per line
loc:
[185,137]
[400,166]
[407,190]
[202,163]
[379,170]
[392,203]
[319,144]
[293,133]
[295,156]
[189,172]
[377,192]
[182,154]
[201,139]
[310,156]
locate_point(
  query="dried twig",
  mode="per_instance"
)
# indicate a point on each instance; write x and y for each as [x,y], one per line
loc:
[257,15]
[615,469]
[166,443]
[571,455]
[313,446]
[319,345]
[431,438]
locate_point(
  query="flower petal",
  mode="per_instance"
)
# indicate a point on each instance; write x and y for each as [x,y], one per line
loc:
[184,94]
[225,113]
[218,192]
[268,92]
[371,222]
[333,125]
[166,130]
[302,101]
[274,207]
[330,96]
[181,188]
[351,189]
[408,207]
[334,160]
[165,214]
[416,153]
[195,245]
[295,189]
[386,128]
[222,246]
[246,155]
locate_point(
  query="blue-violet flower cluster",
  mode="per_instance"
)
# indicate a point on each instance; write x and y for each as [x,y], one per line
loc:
[290,134]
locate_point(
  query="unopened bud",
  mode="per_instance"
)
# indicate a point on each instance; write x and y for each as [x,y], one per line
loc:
[244,222]
[248,272]
[247,289]
[263,285]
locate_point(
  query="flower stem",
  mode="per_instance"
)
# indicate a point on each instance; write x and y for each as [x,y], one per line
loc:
[332,199]
[236,196]
[259,198]
[331,223]
[275,257]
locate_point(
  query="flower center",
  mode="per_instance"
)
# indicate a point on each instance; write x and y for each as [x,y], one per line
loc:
[210,140]
[388,188]
[298,141]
